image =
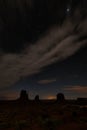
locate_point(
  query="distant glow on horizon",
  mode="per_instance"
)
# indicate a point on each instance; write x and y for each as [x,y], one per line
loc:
[9,95]
[51,97]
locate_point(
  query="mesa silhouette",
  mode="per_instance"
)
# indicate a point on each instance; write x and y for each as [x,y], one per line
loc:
[60,98]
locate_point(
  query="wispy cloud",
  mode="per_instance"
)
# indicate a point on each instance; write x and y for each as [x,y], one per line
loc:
[57,44]
[48,81]
[77,89]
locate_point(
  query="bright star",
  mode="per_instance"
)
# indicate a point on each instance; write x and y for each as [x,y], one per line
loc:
[68,9]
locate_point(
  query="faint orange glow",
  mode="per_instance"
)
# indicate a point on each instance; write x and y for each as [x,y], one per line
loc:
[10,95]
[51,97]
[79,89]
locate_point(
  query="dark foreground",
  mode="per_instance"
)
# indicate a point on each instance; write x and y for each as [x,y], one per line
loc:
[42,115]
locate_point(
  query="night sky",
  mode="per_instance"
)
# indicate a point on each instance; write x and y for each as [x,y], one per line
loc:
[43,48]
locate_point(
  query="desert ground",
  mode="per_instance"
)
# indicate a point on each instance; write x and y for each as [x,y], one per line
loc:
[42,115]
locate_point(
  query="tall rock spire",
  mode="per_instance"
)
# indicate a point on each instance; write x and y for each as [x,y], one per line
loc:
[23,95]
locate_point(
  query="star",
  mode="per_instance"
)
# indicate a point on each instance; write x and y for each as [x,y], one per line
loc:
[68,10]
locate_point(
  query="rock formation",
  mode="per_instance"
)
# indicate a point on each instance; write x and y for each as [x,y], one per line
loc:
[23,96]
[60,97]
[37,98]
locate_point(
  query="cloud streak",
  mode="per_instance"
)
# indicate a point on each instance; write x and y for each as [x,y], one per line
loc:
[77,89]
[48,81]
[57,44]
